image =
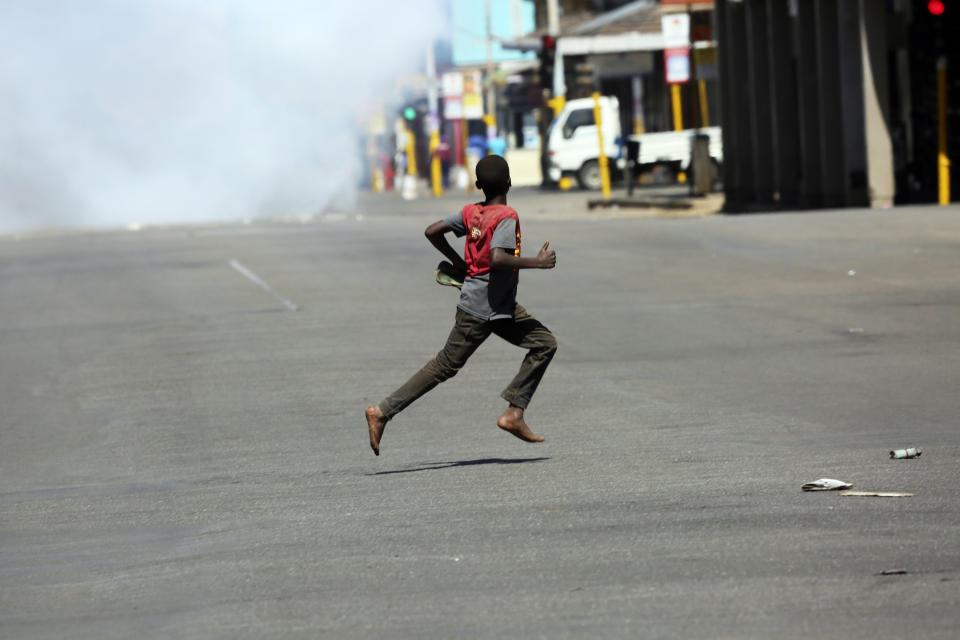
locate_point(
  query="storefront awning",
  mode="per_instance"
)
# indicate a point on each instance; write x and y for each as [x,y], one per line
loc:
[616,43]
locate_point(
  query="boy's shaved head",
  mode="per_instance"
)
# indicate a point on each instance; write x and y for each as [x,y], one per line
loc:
[493,175]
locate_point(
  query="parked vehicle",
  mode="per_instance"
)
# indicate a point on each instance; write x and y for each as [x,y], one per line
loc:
[572,147]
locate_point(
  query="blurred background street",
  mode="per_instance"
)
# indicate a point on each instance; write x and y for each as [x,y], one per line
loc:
[212,260]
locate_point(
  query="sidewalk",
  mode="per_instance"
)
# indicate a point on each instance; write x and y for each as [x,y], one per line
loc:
[547,204]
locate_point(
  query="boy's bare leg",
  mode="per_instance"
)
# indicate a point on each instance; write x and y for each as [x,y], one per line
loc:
[512,421]
[376,421]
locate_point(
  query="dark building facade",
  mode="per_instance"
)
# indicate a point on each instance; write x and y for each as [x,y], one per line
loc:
[833,103]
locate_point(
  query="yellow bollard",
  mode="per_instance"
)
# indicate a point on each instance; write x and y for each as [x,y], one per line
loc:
[943,160]
[677,107]
[604,167]
[557,104]
[436,175]
[704,111]
[411,154]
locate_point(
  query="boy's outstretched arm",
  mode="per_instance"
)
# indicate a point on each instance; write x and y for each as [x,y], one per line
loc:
[436,235]
[503,259]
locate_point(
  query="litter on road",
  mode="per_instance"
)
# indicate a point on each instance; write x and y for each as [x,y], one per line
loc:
[878,494]
[826,484]
[901,454]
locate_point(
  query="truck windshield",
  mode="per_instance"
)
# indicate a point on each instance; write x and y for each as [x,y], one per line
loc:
[577,119]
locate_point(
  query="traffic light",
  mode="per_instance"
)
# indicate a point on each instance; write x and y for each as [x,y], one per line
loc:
[410,113]
[548,56]
[936,16]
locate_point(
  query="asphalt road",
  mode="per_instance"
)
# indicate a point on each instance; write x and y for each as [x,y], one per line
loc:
[184,456]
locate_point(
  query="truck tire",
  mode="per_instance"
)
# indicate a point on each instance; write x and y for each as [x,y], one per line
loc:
[589,176]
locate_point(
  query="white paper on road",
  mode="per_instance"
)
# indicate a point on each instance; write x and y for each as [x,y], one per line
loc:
[826,484]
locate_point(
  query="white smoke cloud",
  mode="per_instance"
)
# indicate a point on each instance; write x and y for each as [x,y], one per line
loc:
[115,112]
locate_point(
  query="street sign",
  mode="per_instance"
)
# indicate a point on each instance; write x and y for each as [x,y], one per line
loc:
[451,84]
[452,107]
[472,95]
[675,28]
[677,64]
[706,60]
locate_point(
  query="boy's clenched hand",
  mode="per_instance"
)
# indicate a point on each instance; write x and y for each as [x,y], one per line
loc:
[502,259]
[546,259]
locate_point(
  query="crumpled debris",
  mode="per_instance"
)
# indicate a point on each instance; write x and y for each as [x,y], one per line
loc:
[826,484]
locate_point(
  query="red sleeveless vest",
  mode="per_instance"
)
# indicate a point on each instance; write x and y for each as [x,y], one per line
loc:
[480,223]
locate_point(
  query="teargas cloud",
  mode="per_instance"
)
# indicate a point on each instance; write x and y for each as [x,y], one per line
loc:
[126,113]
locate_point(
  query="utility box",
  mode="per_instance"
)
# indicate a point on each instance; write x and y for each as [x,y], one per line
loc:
[633,163]
[701,165]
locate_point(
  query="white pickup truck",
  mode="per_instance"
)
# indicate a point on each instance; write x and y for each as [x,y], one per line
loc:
[573,149]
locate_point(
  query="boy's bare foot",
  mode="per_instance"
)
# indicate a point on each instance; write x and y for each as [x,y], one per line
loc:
[376,421]
[512,422]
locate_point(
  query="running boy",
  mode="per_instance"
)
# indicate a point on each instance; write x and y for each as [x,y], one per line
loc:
[487,304]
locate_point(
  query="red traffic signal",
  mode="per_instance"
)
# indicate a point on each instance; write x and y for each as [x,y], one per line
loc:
[549,43]
[936,7]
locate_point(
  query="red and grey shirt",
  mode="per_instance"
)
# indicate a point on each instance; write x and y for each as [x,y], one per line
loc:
[487,293]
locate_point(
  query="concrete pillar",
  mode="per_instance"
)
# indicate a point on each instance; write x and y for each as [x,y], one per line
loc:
[722,19]
[783,100]
[851,89]
[876,103]
[738,161]
[758,88]
[830,104]
[808,105]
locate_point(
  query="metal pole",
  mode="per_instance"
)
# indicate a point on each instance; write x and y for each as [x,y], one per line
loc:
[516,18]
[464,142]
[677,107]
[943,160]
[638,126]
[491,89]
[433,122]
[559,89]
[704,111]
[604,167]
[553,20]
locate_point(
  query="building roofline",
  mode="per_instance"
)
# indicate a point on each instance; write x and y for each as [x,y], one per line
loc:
[612,16]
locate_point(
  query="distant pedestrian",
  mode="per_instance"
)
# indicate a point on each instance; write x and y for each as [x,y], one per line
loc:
[444,154]
[490,267]
[497,146]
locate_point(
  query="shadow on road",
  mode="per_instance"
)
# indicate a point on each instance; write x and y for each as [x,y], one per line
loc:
[460,463]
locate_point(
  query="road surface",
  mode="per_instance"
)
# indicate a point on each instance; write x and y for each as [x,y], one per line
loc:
[183,455]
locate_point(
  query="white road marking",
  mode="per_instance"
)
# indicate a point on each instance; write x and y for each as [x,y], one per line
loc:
[250,275]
